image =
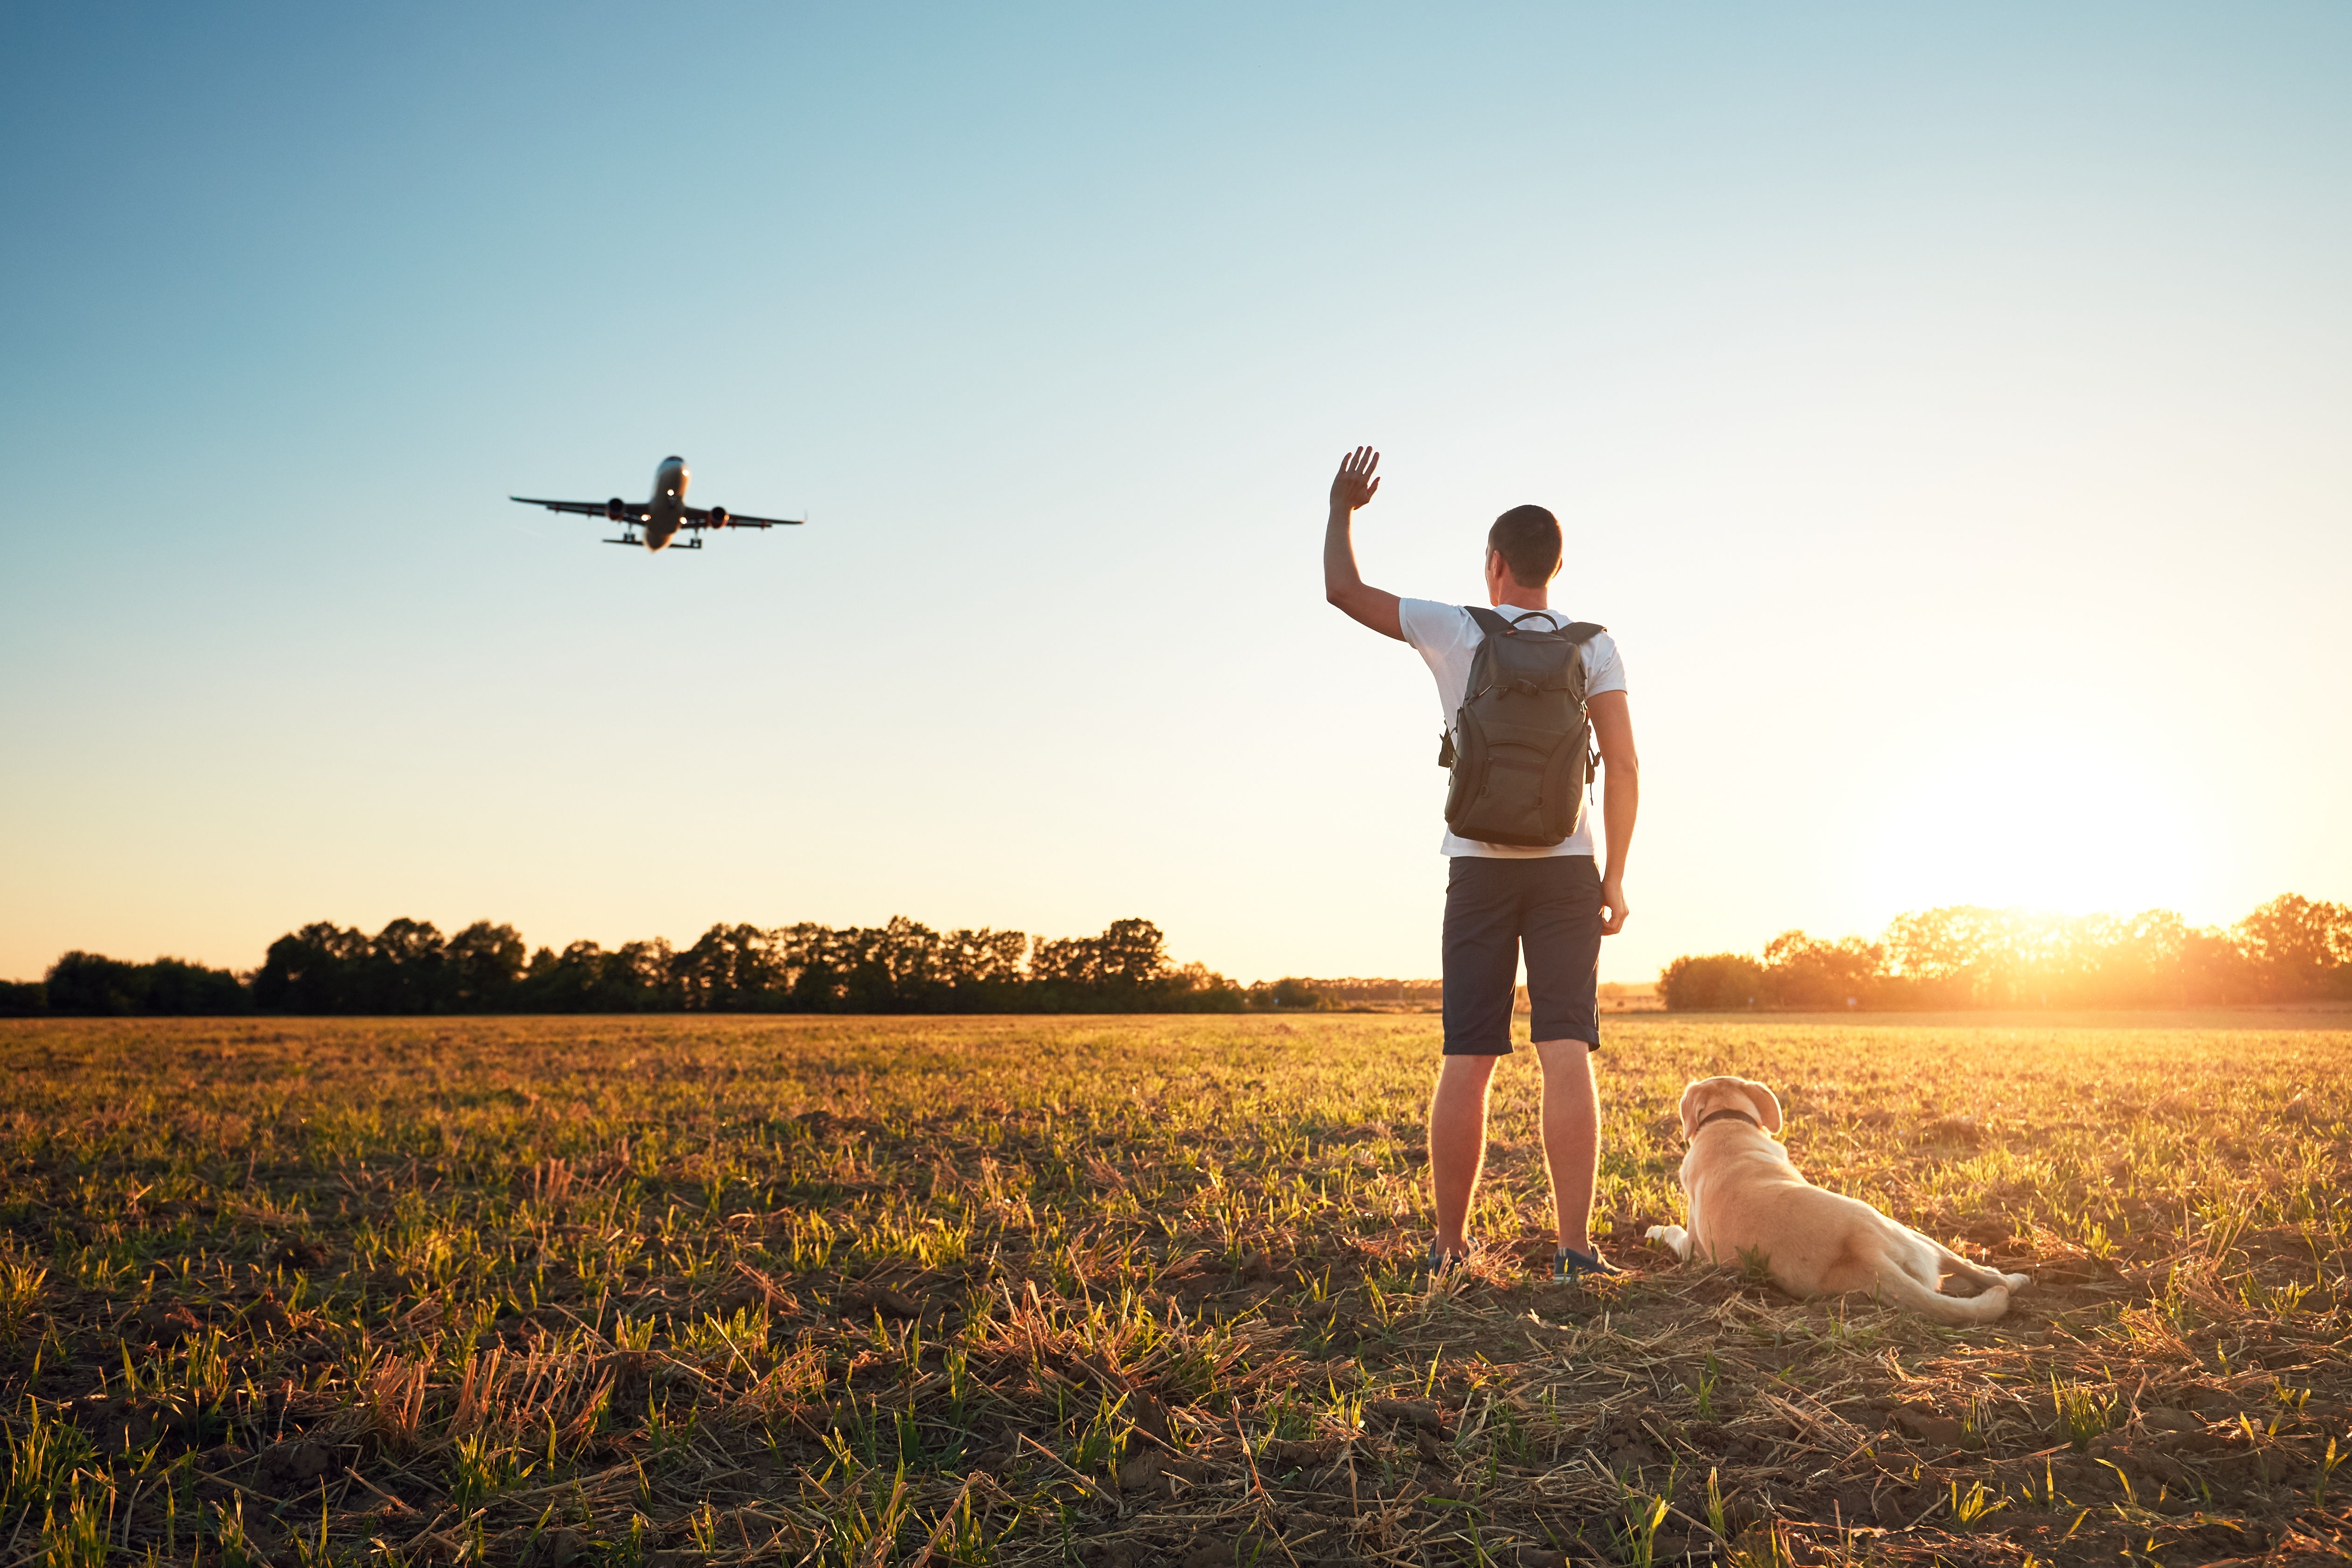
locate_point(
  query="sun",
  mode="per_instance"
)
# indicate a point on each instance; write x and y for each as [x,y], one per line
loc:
[2045,823]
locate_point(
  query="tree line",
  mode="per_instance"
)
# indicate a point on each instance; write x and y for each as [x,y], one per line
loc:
[2293,949]
[903,966]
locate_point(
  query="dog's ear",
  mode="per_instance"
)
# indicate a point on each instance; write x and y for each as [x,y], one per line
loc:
[1690,1107]
[1767,1104]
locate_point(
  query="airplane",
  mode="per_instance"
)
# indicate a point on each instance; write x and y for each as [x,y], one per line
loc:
[666,515]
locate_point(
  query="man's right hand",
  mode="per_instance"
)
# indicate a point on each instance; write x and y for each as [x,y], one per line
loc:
[1354,486]
[1612,898]
[1341,585]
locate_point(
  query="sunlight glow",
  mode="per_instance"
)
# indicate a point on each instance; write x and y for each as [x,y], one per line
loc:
[2057,825]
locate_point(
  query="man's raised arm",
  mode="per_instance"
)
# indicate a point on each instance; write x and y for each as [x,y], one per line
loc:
[1342,584]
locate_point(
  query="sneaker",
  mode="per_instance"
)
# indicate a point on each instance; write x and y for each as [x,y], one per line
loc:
[1567,1263]
[1442,1264]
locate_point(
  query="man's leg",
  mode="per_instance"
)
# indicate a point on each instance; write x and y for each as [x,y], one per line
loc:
[1571,1136]
[1563,944]
[1482,965]
[1457,1144]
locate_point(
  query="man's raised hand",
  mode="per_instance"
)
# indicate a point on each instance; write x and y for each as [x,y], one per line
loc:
[1342,584]
[1355,485]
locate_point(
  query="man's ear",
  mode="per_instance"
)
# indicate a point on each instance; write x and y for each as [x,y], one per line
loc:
[1767,1104]
[1689,1105]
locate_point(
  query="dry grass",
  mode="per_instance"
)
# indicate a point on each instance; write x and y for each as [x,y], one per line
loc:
[1025,1291]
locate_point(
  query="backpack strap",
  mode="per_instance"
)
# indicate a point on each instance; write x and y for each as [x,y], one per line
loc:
[1494,624]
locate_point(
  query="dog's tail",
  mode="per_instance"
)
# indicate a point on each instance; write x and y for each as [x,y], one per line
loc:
[1900,1289]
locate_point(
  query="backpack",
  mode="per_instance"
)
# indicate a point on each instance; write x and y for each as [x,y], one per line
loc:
[1521,747]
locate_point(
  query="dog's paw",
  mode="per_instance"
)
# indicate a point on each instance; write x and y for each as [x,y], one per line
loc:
[2017,1282]
[1655,1233]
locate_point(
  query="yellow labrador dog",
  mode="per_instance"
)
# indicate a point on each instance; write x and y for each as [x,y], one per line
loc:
[1747,1197]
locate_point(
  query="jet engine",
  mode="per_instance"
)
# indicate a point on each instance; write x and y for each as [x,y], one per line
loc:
[718,517]
[613,508]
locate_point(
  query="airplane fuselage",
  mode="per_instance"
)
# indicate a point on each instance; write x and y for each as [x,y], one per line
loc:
[666,511]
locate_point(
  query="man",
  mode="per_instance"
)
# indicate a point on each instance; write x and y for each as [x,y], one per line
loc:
[1498,898]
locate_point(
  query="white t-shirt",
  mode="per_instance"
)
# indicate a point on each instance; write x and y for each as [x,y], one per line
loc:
[1445,636]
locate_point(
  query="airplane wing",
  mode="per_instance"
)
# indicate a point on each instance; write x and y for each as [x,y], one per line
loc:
[584,507]
[719,517]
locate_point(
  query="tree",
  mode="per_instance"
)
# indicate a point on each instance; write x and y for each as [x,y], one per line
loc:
[94,985]
[732,969]
[2110,961]
[1289,993]
[1073,961]
[585,978]
[177,987]
[2214,969]
[2296,947]
[480,967]
[1716,982]
[1801,971]
[1955,956]
[1197,988]
[983,968]
[1131,955]
[403,969]
[896,968]
[314,970]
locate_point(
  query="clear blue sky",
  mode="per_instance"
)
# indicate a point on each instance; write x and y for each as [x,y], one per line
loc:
[1949,412]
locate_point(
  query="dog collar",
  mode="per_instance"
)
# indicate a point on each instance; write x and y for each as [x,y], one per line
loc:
[1725,1113]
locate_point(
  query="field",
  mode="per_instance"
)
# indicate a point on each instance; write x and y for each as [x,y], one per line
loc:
[1020,1290]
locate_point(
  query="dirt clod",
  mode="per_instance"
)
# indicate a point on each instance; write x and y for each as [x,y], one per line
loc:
[1416,1413]
[866,1300]
[298,1253]
[556,1549]
[1941,1431]
[1281,1455]
[164,1323]
[297,1461]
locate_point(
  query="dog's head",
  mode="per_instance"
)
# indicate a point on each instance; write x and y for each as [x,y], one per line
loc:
[1707,1095]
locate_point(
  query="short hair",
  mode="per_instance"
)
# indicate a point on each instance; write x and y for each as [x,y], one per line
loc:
[1529,538]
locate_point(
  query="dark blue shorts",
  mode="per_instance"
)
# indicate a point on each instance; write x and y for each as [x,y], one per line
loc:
[1548,906]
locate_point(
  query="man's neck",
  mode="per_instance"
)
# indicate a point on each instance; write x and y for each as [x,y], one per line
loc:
[1518,598]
